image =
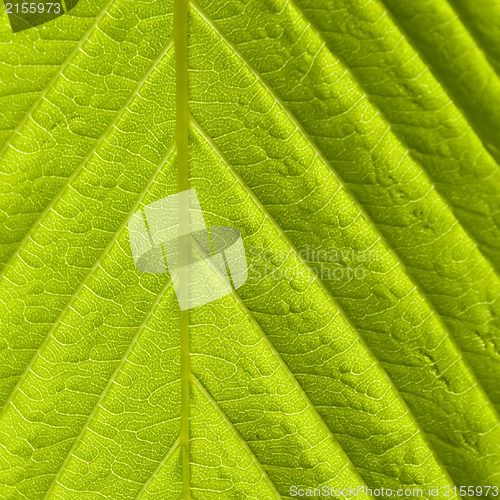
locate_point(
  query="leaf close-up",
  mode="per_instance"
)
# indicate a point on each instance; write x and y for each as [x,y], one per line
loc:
[355,147]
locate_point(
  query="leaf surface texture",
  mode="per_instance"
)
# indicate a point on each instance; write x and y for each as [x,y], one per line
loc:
[317,128]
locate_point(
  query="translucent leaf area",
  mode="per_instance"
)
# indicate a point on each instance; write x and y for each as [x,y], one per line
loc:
[355,146]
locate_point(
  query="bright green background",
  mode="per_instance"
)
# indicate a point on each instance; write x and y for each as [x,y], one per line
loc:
[334,124]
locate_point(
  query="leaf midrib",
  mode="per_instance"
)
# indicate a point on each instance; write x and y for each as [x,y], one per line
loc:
[182,113]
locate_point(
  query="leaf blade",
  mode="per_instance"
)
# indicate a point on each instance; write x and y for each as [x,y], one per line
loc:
[298,378]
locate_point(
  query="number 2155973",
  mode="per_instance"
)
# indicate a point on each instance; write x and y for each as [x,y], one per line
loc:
[32,8]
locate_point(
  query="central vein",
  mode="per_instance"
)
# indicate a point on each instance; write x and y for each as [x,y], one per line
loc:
[181,137]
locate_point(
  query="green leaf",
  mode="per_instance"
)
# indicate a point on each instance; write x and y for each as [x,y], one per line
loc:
[355,147]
